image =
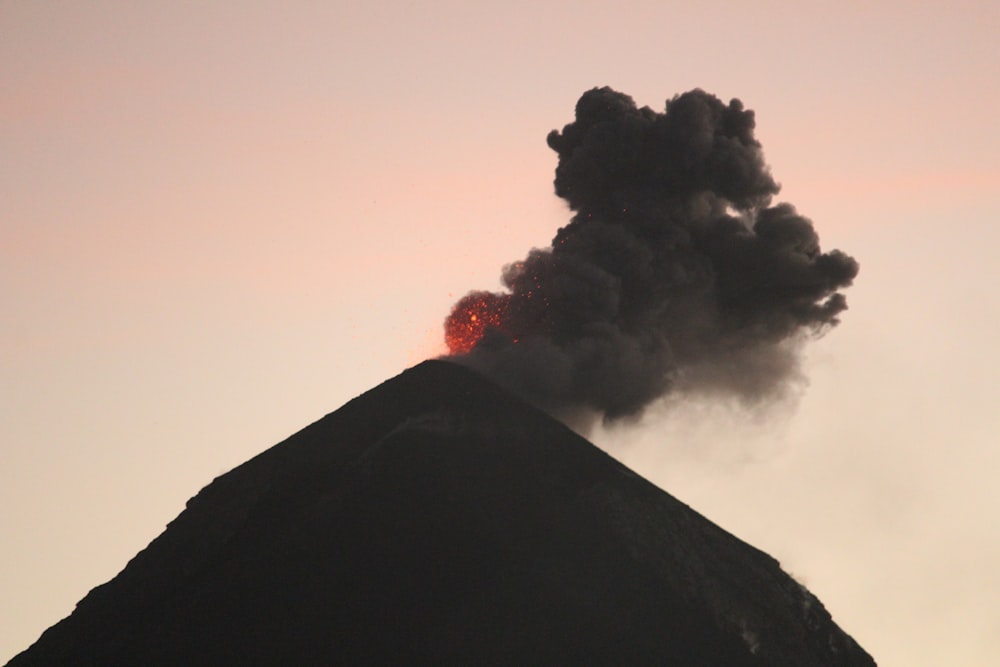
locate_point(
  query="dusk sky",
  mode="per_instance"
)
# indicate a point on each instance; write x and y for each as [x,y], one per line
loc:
[220,221]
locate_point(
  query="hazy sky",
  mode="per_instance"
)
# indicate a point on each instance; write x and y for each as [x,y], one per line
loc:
[219,221]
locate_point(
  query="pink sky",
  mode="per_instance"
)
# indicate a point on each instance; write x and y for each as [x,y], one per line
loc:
[217,225]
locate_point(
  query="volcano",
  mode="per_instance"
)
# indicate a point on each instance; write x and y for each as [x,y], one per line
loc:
[438,519]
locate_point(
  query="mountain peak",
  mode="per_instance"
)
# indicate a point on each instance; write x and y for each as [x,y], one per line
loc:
[438,519]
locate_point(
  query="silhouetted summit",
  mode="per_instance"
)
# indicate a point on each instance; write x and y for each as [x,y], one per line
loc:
[438,520]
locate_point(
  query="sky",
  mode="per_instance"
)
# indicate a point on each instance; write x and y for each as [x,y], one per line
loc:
[220,221]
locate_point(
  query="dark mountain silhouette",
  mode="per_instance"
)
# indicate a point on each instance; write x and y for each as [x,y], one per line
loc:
[438,520]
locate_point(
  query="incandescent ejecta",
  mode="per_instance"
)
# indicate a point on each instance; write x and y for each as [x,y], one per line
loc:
[676,272]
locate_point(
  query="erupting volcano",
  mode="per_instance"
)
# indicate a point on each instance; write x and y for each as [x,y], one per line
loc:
[440,519]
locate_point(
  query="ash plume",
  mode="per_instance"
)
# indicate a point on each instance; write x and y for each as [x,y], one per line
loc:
[674,274]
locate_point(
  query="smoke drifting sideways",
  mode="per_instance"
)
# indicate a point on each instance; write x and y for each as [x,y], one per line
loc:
[674,275]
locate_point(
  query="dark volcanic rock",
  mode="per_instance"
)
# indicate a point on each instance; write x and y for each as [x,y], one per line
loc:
[438,520]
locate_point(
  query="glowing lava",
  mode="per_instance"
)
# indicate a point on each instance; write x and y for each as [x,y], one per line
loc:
[470,318]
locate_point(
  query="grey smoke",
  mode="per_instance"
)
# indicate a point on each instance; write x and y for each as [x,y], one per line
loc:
[675,273]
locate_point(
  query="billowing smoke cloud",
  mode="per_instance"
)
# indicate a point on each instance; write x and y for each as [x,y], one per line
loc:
[675,273]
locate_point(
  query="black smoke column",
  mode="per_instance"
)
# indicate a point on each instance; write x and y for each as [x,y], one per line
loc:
[675,272]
